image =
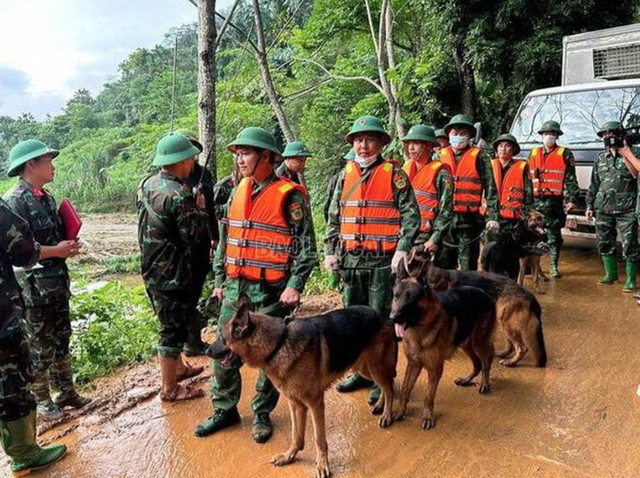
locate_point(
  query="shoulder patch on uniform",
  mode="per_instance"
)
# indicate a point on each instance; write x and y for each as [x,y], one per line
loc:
[296,212]
[399,181]
[285,187]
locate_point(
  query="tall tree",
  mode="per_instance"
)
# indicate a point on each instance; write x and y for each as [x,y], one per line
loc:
[207,38]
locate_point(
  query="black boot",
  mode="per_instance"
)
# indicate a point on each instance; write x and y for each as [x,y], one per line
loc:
[220,420]
[262,428]
[353,382]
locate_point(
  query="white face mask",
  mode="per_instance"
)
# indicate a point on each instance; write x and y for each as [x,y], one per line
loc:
[458,142]
[549,139]
[365,162]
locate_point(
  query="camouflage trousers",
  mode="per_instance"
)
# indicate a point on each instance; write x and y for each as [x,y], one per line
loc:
[174,309]
[624,224]
[226,384]
[16,401]
[464,250]
[554,219]
[367,280]
[50,329]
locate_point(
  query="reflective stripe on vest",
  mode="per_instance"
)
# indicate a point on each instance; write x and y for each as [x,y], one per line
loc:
[467,183]
[424,182]
[369,217]
[510,188]
[547,174]
[259,240]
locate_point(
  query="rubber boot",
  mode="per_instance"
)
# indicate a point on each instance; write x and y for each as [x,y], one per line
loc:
[610,270]
[553,262]
[353,382]
[19,442]
[631,268]
[262,428]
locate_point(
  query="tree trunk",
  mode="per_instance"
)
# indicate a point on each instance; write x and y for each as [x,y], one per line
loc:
[467,81]
[261,57]
[207,81]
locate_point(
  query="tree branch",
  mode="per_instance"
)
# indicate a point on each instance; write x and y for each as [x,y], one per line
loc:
[342,77]
[226,22]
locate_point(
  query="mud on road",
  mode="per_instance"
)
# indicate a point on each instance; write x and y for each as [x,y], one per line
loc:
[108,235]
[579,417]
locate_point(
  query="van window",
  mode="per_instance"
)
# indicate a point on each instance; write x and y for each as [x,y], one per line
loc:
[580,115]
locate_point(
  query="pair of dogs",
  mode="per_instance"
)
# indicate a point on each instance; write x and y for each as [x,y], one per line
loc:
[439,310]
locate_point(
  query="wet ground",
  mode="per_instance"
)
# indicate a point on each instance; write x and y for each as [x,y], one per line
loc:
[579,417]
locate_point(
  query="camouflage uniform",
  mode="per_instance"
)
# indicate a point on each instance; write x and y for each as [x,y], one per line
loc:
[221,193]
[19,249]
[226,384]
[170,228]
[286,173]
[46,295]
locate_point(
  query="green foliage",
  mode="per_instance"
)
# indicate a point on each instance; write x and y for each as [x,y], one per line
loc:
[112,326]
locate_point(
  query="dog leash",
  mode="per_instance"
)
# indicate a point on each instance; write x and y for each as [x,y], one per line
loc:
[462,244]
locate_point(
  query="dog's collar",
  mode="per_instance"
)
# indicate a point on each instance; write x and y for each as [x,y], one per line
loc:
[281,341]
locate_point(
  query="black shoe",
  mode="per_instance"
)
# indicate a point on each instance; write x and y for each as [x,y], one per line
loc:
[354,382]
[374,395]
[195,350]
[220,420]
[262,428]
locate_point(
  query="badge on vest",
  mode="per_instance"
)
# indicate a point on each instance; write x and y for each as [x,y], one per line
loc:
[399,181]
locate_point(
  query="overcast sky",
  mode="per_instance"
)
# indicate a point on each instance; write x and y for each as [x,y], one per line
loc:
[51,48]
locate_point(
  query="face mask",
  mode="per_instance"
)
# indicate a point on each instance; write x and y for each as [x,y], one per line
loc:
[365,162]
[549,140]
[458,142]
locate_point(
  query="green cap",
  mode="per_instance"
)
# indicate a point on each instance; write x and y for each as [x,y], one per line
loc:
[552,126]
[610,126]
[296,149]
[191,137]
[173,148]
[368,124]
[460,120]
[256,138]
[441,134]
[350,156]
[421,132]
[509,138]
[25,151]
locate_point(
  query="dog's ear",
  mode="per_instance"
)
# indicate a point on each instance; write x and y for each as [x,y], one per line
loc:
[420,273]
[242,325]
[403,269]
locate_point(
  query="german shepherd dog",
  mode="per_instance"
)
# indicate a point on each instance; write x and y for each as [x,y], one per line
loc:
[435,326]
[517,310]
[304,357]
[535,222]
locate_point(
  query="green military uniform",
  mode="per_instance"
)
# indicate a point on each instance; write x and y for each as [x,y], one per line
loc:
[333,180]
[553,206]
[226,384]
[171,227]
[612,195]
[462,244]
[286,173]
[295,149]
[17,404]
[221,193]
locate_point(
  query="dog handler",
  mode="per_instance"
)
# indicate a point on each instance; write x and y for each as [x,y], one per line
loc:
[267,250]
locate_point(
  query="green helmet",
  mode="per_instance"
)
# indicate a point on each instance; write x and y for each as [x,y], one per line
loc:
[509,138]
[441,134]
[256,138]
[421,132]
[610,126]
[296,149]
[460,120]
[368,124]
[191,137]
[350,156]
[174,148]
[552,126]
[25,151]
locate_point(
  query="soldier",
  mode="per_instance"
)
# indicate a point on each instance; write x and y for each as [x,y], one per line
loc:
[295,158]
[201,183]
[170,228]
[45,289]
[612,197]
[373,223]
[267,250]
[17,404]
[553,173]
[350,156]
[443,140]
[432,185]
[513,183]
[473,178]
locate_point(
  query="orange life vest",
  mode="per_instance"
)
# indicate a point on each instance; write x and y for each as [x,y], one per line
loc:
[424,182]
[547,174]
[510,188]
[369,217]
[467,183]
[259,239]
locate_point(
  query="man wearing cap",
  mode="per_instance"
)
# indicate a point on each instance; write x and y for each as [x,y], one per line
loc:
[513,182]
[443,140]
[473,180]
[432,184]
[553,173]
[257,255]
[45,289]
[612,198]
[170,228]
[295,158]
[373,223]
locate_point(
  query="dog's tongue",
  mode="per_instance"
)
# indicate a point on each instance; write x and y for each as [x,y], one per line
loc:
[399,331]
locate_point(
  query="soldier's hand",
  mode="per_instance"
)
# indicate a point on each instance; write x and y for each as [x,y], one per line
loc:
[589,214]
[218,293]
[330,263]
[201,201]
[290,297]
[431,246]
[68,248]
[569,206]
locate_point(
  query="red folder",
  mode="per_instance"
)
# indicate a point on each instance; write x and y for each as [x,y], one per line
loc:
[70,220]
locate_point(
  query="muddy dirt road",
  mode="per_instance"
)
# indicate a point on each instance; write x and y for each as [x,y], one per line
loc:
[579,417]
